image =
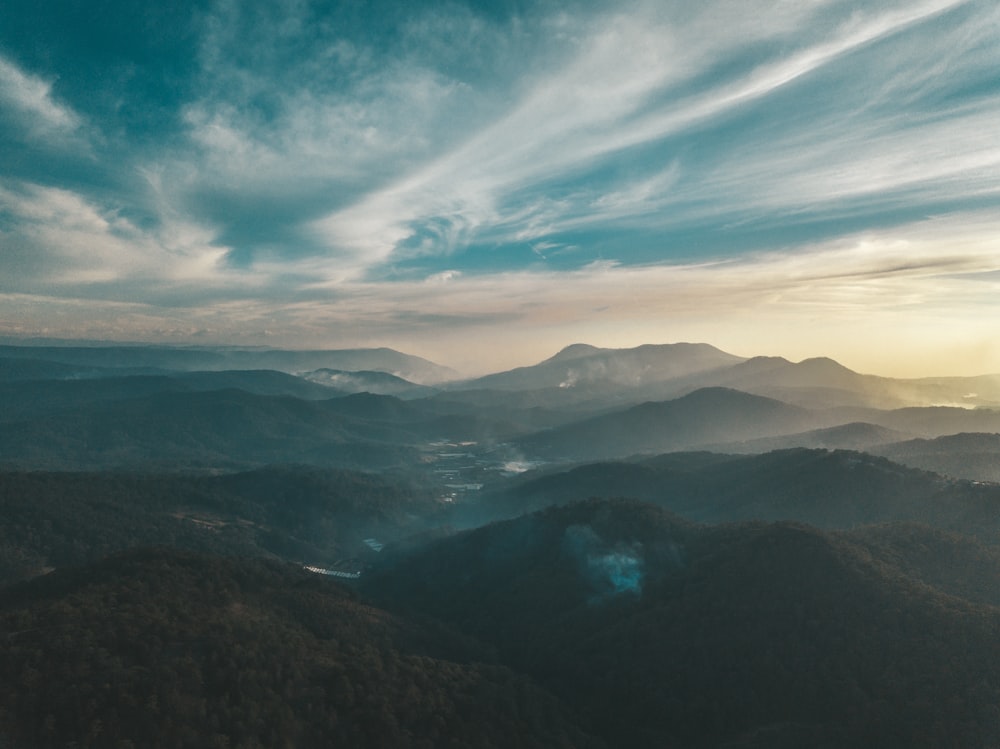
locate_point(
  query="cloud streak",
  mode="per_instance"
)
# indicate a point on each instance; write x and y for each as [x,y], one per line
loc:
[38,117]
[609,172]
[925,277]
[89,245]
[582,113]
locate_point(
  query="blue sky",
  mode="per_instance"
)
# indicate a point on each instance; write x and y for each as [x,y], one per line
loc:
[483,183]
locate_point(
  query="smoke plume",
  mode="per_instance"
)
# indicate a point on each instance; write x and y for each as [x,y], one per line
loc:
[609,569]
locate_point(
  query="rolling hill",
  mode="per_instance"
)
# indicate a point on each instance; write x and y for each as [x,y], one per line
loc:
[751,635]
[379,383]
[224,429]
[828,489]
[299,513]
[853,436]
[974,456]
[171,649]
[706,416]
[842,598]
[220,358]
[26,400]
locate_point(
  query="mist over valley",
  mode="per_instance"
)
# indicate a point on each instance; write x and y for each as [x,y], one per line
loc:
[499,375]
[660,545]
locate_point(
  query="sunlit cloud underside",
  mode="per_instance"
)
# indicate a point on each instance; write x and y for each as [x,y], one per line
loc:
[483,187]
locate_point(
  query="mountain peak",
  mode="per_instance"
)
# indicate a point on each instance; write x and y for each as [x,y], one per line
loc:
[716,393]
[824,364]
[584,350]
[576,351]
[761,360]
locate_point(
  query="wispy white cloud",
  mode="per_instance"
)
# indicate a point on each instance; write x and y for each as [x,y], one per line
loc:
[318,103]
[622,92]
[315,137]
[416,162]
[940,269]
[314,159]
[29,97]
[911,266]
[837,298]
[842,169]
[929,285]
[64,240]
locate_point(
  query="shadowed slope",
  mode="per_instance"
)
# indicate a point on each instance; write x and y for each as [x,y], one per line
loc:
[752,635]
[162,648]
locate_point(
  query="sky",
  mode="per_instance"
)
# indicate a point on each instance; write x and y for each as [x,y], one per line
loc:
[483,183]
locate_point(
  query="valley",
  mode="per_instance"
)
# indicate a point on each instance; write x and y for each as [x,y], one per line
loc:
[499,375]
[662,546]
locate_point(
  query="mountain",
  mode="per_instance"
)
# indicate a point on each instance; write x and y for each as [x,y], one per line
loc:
[215,429]
[601,378]
[853,436]
[579,351]
[309,515]
[218,358]
[824,383]
[14,369]
[583,367]
[974,456]
[258,381]
[829,489]
[379,383]
[842,598]
[752,635]
[171,649]
[706,416]
[579,374]
[724,419]
[817,383]
[28,399]
[952,563]
[931,421]
[233,429]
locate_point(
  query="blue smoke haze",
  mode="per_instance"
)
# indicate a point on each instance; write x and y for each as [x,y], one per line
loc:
[622,570]
[609,569]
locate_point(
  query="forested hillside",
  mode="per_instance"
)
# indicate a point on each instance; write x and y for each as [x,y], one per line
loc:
[54,520]
[163,649]
[752,635]
[537,559]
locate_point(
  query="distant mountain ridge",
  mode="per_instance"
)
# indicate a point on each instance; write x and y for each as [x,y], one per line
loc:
[856,435]
[580,364]
[26,399]
[211,358]
[227,428]
[829,489]
[379,383]
[578,374]
[102,407]
[581,373]
[968,455]
[702,417]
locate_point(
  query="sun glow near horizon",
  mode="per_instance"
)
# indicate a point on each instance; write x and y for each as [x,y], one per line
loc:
[484,185]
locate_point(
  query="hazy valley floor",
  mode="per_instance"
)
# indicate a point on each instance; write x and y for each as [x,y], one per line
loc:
[520,564]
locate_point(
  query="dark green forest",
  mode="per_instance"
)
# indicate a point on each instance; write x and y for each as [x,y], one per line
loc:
[309,515]
[751,634]
[161,648]
[504,562]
